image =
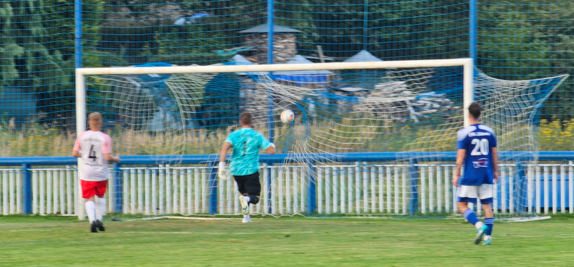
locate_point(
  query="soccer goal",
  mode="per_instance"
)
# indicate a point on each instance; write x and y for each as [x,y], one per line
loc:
[370,138]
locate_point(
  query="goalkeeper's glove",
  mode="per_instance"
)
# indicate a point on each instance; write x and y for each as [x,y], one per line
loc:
[223,172]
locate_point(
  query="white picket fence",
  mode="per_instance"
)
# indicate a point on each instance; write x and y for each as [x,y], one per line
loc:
[11,195]
[55,191]
[341,189]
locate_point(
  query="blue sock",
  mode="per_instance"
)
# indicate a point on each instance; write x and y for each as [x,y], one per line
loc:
[470,216]
[490,223]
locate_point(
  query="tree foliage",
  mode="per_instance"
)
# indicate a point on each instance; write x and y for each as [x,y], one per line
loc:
[518,39]
[37,50]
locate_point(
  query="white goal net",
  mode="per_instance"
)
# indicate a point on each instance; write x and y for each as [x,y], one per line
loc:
[368,138]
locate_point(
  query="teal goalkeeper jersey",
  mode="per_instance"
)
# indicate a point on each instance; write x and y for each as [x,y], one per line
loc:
[246,145]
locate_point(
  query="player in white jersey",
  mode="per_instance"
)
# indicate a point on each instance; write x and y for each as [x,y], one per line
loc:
[95,150]
[477,150]
[244,165]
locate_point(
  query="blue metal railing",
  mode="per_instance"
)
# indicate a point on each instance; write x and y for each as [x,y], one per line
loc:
[211,160]
[279,158]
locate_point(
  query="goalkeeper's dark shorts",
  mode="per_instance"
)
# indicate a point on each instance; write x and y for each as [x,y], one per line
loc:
[248,184]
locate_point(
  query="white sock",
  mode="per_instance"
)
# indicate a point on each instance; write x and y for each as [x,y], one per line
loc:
[100,208]
[246,217]
[487,237]
[246,199]
[478,225]
[91,210]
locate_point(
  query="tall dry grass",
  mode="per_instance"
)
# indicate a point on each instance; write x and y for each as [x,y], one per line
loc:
[45,140]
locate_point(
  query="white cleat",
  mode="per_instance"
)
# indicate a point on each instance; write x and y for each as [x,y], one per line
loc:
[244,205]
[246,220]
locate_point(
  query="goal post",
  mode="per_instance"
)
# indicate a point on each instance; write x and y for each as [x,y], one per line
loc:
[414,107]
[81,118]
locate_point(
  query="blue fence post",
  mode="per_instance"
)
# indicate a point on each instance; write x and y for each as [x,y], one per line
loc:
[365,37]
[473,24]
[311,188]
[119,188]
[414,181]
[365,24]
[78,33]
[212,187]
[27,190]
[270,25]
[270,104]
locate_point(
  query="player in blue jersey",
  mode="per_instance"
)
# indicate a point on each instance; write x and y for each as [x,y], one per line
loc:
[476,147]
[244,164]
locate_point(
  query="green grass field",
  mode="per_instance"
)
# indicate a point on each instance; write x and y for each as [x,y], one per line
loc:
[64,241]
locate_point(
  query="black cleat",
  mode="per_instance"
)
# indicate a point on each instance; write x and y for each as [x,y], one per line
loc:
[100,226]
[94,228]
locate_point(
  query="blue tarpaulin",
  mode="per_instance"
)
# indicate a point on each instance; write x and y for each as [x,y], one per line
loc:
[302,77]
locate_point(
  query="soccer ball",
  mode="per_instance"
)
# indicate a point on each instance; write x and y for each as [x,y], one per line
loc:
[287,116]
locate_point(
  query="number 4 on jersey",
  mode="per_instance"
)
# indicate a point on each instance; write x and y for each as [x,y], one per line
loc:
[92,154]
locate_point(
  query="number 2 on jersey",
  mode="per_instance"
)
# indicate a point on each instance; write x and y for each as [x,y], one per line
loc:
[480,147]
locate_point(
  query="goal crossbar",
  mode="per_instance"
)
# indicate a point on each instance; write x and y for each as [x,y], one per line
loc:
[466,62]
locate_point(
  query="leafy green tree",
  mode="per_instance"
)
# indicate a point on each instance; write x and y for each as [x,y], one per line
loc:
[37,50]
[527,40]
[141,31]
[558,31]
[389,30]
[518,39]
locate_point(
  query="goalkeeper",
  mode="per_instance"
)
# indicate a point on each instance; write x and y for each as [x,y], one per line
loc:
[244,165]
